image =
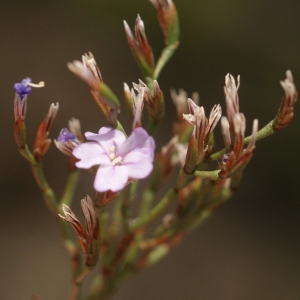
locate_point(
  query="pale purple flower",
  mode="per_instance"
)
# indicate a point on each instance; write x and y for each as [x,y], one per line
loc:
[119,158]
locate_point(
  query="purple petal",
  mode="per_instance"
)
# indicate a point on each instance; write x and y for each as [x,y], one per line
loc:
[90,154]
[112,178]
[140,142]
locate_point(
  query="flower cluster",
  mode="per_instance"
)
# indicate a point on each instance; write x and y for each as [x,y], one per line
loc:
[187,177]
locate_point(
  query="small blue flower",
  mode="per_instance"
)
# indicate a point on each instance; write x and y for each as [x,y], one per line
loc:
[66,142]
[65,135]
[23,88]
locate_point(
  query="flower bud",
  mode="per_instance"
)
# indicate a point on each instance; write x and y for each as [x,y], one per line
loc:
[42,142]
[285,113]
[89,237]
[88,71]
[168,20]
[140,47]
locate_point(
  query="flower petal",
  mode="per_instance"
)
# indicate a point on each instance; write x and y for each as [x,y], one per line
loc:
[140,169]
[140,142]
[107,137]
[111,177]
[90,154]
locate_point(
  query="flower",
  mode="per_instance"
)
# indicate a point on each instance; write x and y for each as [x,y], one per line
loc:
[23,88]
[66,141]
[119,158]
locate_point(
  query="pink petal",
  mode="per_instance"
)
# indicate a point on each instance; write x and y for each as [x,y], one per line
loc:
[111,177]
[139,170]
[140,142]
[107,137]
[90,154]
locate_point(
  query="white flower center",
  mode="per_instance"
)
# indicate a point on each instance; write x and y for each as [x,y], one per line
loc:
[112,155]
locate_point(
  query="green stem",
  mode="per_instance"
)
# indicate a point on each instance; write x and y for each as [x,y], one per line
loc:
[28,155]
[156,211]
[261,134]
[210,175]
[166,54]
[47,192]
[70,187]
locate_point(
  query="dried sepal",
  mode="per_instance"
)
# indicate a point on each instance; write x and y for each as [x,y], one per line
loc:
[75,128]
[138,104]
[168,20]
[238,158]
[180,100]
[140,46]
[231,97]
[20,107]
[42,142]
[128,100]
[89,237]
[203,128]
[89,72]
[285,113]
[154,103]
[225,131]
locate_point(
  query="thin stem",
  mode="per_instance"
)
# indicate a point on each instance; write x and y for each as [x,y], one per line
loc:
[262,133]
[47,191]
[28,155]
[156,211]
[164,58]
[76,286]
[70,186]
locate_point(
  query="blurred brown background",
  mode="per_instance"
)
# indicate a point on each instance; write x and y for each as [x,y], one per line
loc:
[250,248]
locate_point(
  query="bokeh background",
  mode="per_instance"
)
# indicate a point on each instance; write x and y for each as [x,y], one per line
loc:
[250,248]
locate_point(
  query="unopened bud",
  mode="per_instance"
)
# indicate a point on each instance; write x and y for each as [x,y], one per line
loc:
[168,20]
[285,113]
[140,47]
[42,142]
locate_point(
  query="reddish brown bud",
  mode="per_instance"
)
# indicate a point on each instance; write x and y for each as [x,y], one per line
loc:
[42,142]
[285,113]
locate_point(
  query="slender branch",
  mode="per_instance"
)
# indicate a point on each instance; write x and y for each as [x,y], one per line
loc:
[76,286]
[43,184]
[70,186]
[262,133]
[156,211]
